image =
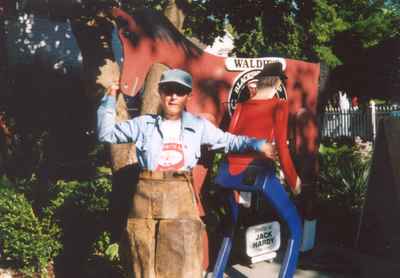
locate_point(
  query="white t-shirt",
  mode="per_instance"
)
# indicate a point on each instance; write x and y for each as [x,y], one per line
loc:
[171,157]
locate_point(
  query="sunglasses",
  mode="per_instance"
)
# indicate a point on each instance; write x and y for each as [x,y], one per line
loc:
[171,90]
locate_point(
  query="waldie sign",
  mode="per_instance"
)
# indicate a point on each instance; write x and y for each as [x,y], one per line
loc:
[243,64]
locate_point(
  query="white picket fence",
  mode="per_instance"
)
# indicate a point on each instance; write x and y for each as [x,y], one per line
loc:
[354,122]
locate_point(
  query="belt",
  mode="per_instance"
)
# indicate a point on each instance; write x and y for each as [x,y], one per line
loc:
[162,175]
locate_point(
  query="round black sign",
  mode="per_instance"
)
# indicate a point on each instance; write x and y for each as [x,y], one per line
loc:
[239,92]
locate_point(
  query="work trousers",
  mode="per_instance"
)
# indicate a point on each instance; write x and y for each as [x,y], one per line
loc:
[163,236]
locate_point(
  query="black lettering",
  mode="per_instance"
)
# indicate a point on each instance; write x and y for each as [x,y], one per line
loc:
[245,64]
[265,235]
[238,87]
[238,63]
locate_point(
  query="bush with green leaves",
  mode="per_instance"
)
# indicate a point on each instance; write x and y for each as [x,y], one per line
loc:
[32,238]
[344,170]
[80,207]
[90,197]
[26,243]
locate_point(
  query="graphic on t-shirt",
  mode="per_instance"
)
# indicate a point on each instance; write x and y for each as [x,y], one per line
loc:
[171,156]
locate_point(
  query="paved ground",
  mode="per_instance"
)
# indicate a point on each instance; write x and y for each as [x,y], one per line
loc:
[324,262]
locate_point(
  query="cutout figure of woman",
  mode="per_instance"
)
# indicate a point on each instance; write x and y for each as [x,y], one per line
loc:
[264,116]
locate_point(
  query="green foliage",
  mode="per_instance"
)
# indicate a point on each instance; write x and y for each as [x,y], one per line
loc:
[26,242]
[325,24]
[371,21]
[30,240]
[112,252]
[297,29]
[344,172]
[89,196]
[104,248]
[250,43]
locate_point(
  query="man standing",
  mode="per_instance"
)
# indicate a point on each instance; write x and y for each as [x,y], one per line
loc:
[164,231]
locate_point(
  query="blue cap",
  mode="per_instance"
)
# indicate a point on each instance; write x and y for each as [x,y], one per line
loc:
[177,76]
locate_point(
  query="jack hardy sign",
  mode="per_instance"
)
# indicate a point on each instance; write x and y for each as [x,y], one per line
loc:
[249,67]
[261,239]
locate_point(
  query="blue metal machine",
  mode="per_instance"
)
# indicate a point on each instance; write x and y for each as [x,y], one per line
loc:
[269,186]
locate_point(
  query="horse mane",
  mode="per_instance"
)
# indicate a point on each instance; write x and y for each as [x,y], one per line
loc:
[155,25]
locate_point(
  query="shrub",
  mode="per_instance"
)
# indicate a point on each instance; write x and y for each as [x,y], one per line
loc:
[29,240]
[26,242]
[80,208]
[90,197]
[344,172]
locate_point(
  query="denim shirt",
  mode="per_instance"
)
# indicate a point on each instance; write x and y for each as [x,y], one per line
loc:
[145,132]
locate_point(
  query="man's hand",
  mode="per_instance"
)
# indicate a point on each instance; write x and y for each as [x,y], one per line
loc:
[269,150]
[109,74]
[112,90]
